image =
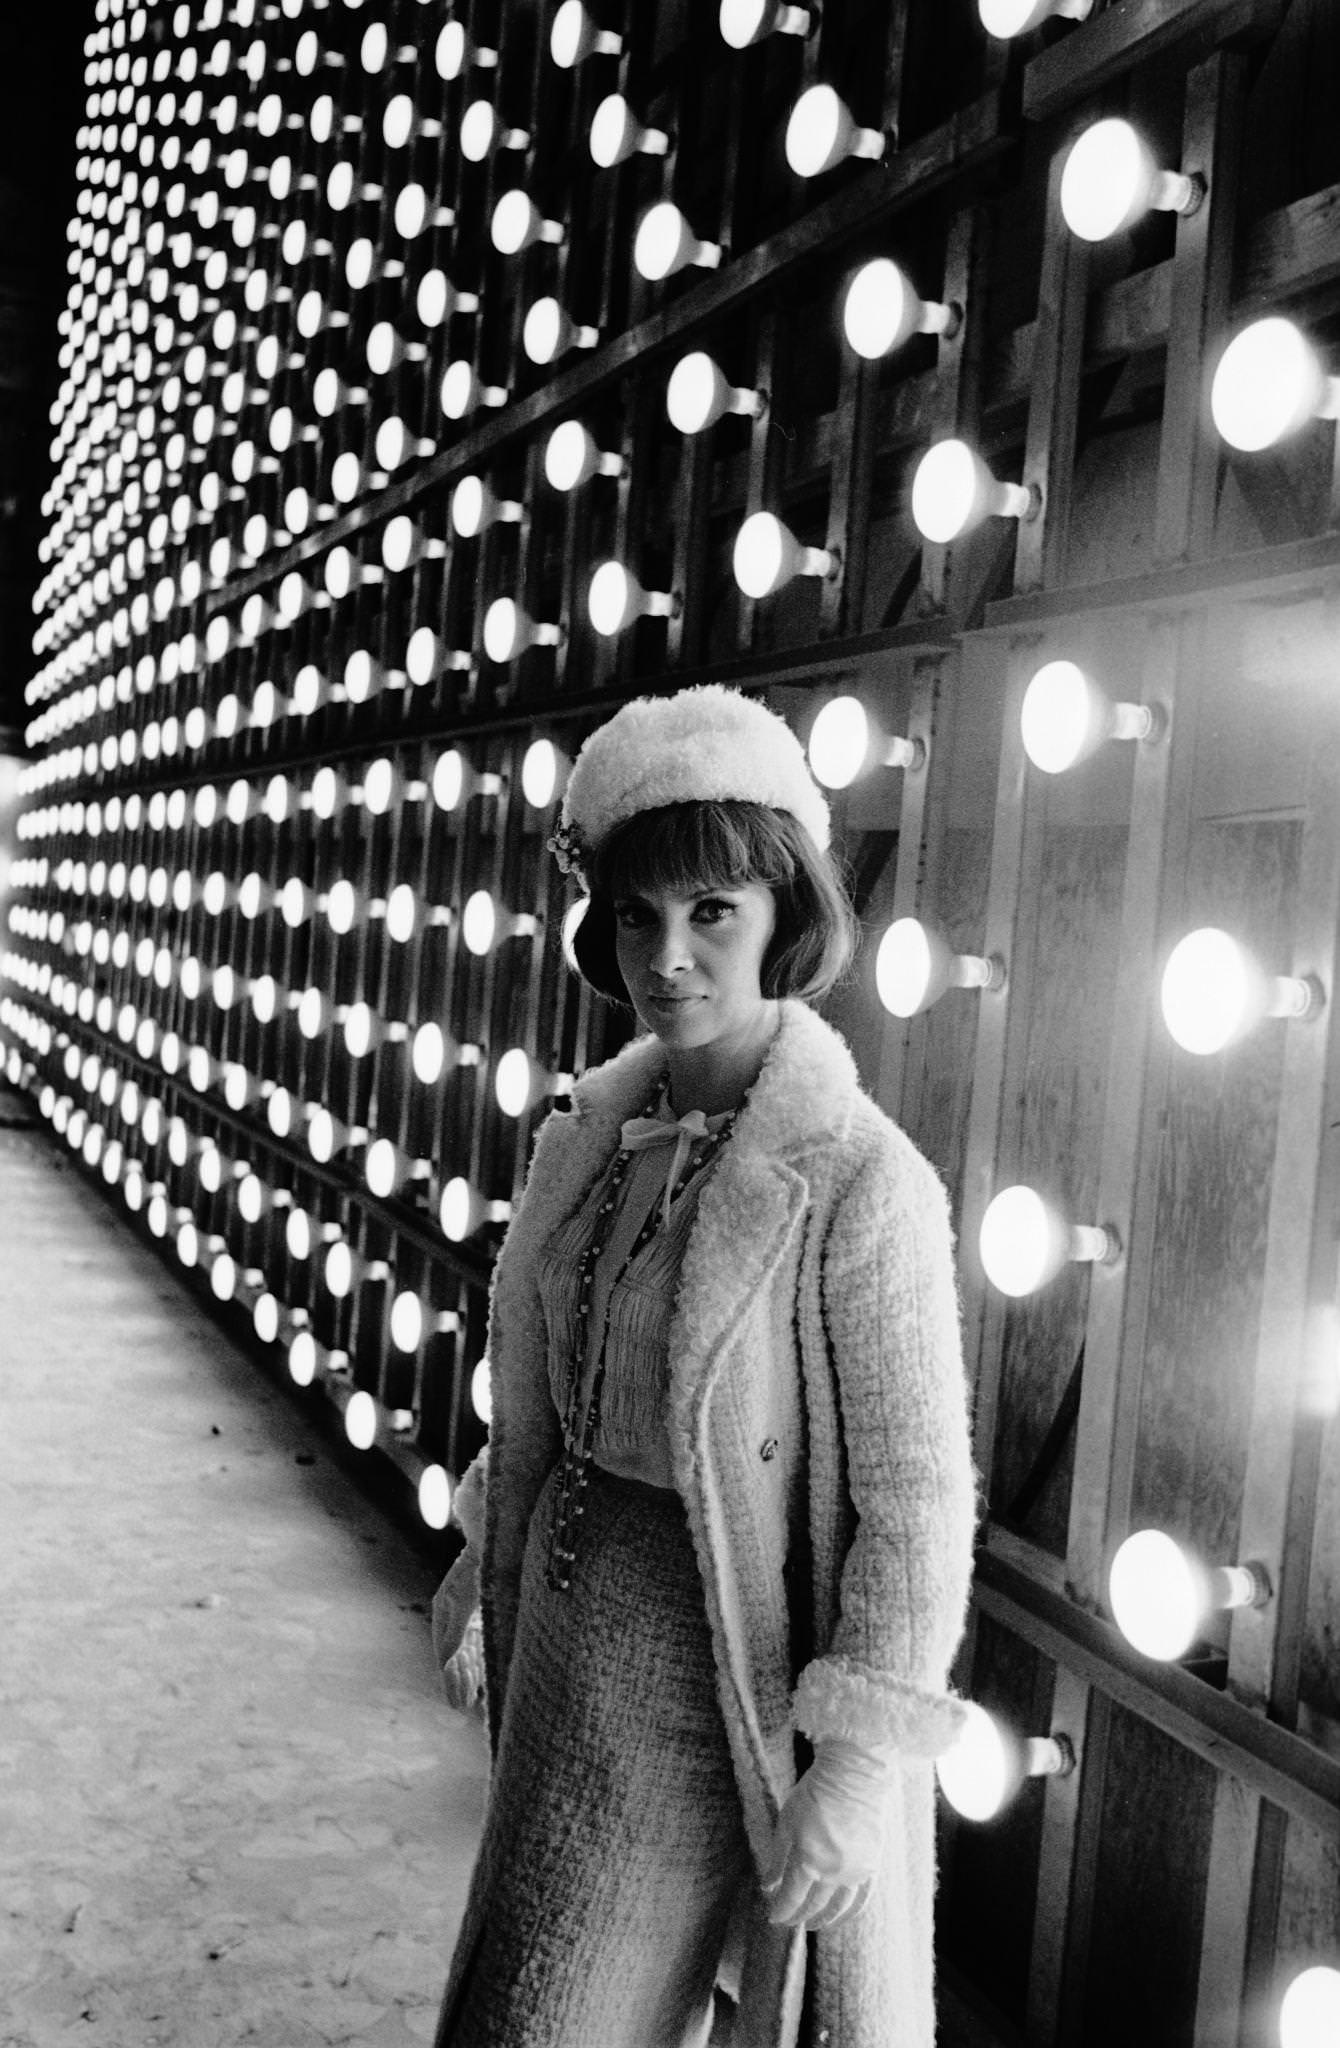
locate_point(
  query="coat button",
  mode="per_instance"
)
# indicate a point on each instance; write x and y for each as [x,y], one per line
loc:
[768,1450]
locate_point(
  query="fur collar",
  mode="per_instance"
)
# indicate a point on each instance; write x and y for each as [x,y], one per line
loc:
[805,1093]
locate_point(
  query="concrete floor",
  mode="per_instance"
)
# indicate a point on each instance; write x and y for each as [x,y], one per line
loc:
[233,1805]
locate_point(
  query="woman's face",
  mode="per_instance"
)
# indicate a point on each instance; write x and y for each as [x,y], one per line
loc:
[692,964]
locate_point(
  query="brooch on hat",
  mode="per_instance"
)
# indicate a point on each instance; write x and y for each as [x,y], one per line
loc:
[569,849]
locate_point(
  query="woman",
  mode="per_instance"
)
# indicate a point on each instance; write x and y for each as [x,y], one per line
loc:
[730,1504]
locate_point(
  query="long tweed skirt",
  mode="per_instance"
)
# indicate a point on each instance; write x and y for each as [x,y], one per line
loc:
[613,1847]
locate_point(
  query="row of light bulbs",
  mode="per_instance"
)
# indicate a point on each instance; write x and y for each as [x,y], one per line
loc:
[1269,382]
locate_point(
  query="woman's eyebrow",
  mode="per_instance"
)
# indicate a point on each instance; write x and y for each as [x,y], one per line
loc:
[690,896]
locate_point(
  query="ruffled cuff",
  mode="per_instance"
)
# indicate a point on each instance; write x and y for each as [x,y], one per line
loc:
[467,1506]
[836,1696]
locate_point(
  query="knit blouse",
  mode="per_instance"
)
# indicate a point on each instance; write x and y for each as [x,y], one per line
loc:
[631,1439]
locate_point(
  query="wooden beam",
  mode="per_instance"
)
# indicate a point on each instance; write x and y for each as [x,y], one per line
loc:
[1133,33]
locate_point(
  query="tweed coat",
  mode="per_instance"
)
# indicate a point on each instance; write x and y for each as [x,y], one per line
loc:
[820,1444]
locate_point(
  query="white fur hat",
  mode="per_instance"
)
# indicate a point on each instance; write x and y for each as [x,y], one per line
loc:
[701,745]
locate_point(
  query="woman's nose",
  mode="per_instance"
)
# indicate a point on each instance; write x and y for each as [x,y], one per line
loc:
[671,951]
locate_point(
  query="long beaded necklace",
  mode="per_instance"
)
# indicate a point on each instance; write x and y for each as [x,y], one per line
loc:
[579,1436]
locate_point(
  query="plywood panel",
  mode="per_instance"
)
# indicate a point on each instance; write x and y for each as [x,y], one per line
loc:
[1214,1188]
[1149,1892]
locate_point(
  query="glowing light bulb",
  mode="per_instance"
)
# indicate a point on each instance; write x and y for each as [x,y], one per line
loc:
[1065,718]
[435,1496]
[572,457]
[479,923]
[698,394]
[665,244]
[361,1420]
[881,311]
[953,491]
[743,22]
[1110,179]
[508,631]
[475,505]
[986,1764]
[540,773]
[1024,1243]
[1310,2009]
[915,965]
[821,133]
[844,741]
[462,389]
[1269,382]
[1007,18]
[574,37]
[616,598]
[517,222]
[1213,992]
[767,555]
[617,134]
[407,1322]
[515,1082]
[548,332]
[482,130]
[1161,1596]
[428,1053]
[481,1391]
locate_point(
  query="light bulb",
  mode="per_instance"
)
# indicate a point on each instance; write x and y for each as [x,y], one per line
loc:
[698,394]
[454,50]
[617,134]
[821,132]
[1310,2009]
[482,129]
[986,1764]
[571,457]
[407,1322]
[574,37]
[515,1082]
[1024,1243]
[436,299]
[743,22]
[881,311]
[434,1496]
[844,740]
[1110,179]
[1161,1596]
[540,772]
[481,1392]
[953,491]
[517,222]
[1270,382]
[616,598]
[508,631]
[915,965]
[1006,18]
[1064,718]
[1213,992]
[665,244]
[428,1053]
[475,505]
[360,1420]
[767,555]
[548,331]
[462,389]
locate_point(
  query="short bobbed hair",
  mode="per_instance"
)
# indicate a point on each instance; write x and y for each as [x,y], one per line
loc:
[693,847]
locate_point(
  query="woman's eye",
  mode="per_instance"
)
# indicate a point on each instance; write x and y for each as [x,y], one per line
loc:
[715,910]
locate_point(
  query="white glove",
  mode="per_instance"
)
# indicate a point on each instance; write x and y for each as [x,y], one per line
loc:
[829,1842]
[463,1672]
[458,1641]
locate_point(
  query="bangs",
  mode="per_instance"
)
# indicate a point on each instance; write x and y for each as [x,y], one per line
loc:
[692,847]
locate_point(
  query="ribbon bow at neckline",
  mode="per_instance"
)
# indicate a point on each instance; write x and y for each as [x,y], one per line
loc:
[642,1132]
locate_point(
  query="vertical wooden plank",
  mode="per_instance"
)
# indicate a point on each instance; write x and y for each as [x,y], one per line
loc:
[958,374]
[841,600]
[1058,351]
[1010,931]
[1189,456]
